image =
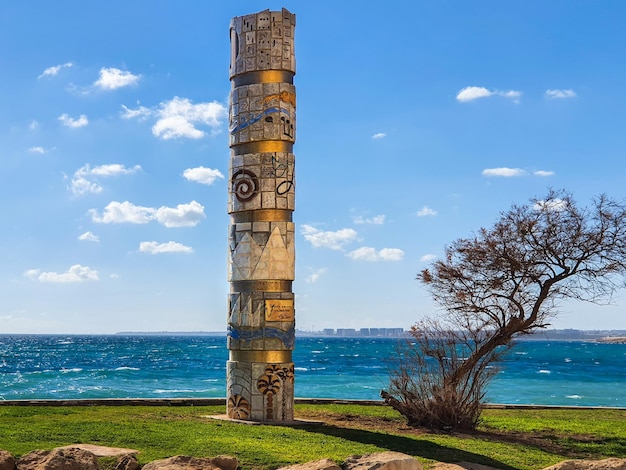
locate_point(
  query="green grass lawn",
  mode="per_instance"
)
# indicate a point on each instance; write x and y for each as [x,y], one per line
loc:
[507,439]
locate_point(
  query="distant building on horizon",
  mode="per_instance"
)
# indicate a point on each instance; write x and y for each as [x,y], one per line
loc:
[353,332]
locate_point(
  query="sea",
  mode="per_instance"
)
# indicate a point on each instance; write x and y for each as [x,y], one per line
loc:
[35,367]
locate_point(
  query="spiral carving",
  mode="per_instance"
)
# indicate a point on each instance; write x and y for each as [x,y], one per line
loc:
[245,185]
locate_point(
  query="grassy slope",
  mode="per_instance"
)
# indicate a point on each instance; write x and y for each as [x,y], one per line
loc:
[508,439]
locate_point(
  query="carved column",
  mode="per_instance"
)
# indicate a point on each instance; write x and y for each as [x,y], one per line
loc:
[261,201]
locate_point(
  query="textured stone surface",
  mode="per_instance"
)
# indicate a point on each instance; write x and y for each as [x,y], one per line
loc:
[461,466]
[7,462]
[261,201]
[382,461]
[102,451]
[59,459]
[323,464]
[127,462]
[262,41]
[606,464]
[182,462]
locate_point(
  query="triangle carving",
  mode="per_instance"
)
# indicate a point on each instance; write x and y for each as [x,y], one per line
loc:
[274,261]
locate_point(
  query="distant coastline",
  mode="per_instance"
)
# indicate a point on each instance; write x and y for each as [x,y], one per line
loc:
[604,336]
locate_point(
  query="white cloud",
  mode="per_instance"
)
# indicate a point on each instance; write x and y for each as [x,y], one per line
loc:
[379,135]
[514,95]
[543,173]
[553,205]
[183,215]
[67,121]
[114,276]
[89,237]
[426,211]
[505,172]
[559,94]
[123,212]
[33,125]
[39,150]
[155,248]
[312,278]
[428,258]
[52,71]
[326,239]
[376,220]
[366,253]
[112,78]
[471,93]
[202,175]
[76,273]
[179,117]
[85,179]
[141,113]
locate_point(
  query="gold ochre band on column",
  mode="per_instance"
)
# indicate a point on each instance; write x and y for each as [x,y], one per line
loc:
[263,146]
[273,285]
[260,356]
[262,215]
[263,76]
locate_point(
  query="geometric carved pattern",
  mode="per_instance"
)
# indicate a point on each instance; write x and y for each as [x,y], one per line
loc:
[242,313]
[250,261]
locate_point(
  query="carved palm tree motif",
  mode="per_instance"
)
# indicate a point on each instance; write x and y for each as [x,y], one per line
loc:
[238,407]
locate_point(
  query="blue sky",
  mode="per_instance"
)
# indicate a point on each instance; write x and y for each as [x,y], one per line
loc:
[418,122]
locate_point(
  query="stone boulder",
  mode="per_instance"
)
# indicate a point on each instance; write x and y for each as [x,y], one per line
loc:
[181,462]
[59,459]
[382,461]
[606,464]
[323,464]
[7,462]
[127,462]
[102,451]
[461,466]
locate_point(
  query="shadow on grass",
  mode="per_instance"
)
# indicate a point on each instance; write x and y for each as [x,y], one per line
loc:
[574,446]
[415,447]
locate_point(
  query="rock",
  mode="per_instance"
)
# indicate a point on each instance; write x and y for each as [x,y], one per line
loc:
[182,462]
[102,451]
[7,462]
[127,462]
[606,464]
[323,464]
[382,461]
[461,466]
[59,459]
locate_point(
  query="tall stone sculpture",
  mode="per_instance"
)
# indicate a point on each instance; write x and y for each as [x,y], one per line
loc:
[261,201]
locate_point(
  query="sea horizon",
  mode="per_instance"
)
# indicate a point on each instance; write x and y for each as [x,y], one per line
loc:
[544,334]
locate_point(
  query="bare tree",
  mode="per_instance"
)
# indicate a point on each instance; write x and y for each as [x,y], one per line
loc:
[503,282]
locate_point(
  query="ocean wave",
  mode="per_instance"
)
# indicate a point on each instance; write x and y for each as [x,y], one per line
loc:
[544,371]
[573,397]
[67,371]
[126,368]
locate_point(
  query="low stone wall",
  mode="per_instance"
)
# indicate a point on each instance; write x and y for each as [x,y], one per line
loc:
[222,402]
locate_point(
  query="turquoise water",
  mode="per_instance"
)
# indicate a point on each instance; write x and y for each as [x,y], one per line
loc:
[74,367]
